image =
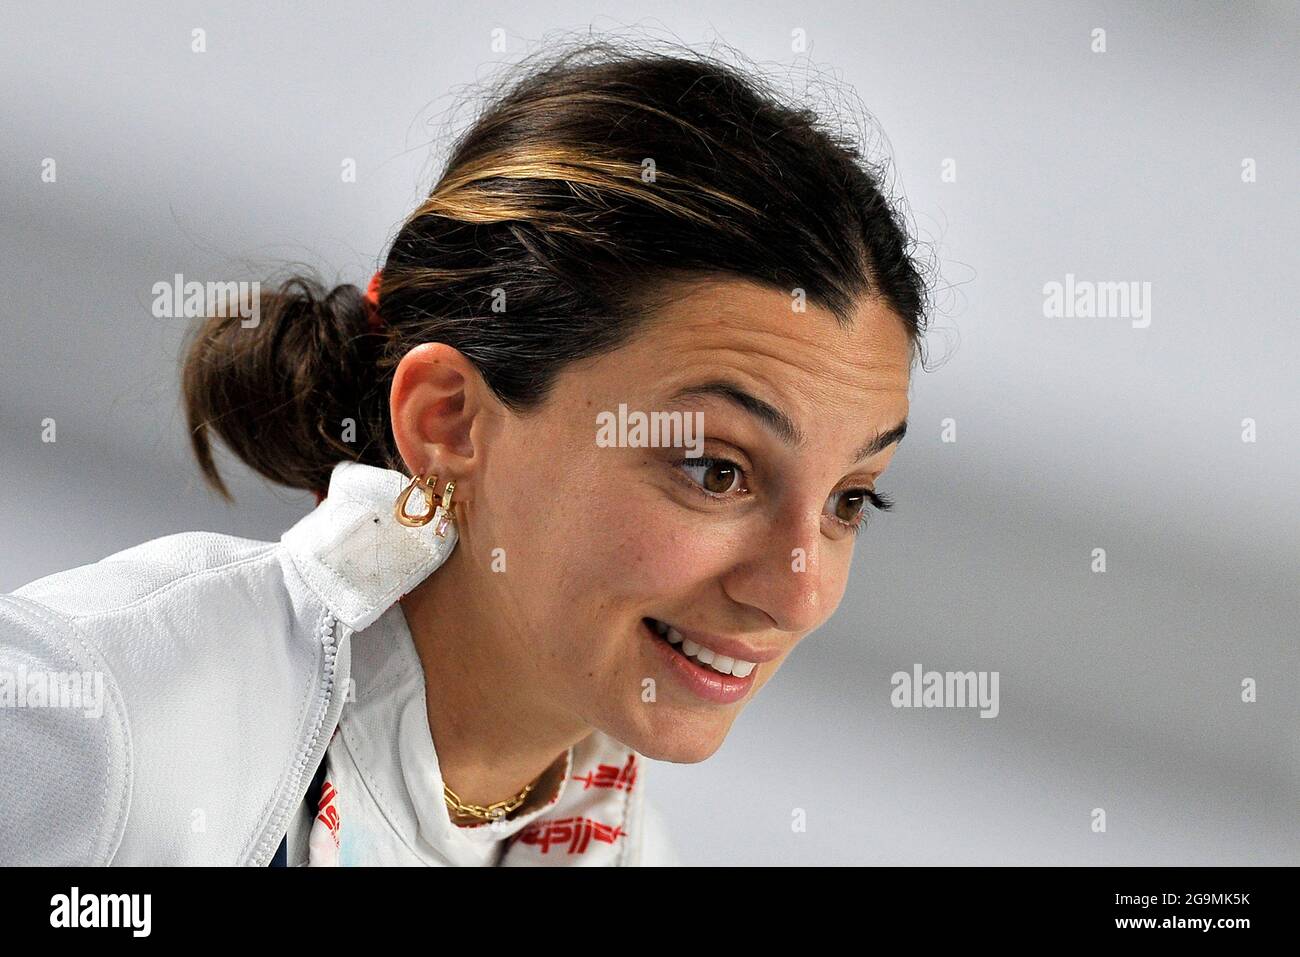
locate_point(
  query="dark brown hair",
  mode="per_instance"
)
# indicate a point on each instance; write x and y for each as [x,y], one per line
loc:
[582,189]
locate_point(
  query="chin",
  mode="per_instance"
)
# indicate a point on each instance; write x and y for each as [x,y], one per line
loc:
[682,737]
[675,753]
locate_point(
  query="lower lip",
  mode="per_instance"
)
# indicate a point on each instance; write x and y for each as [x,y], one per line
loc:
[704,681]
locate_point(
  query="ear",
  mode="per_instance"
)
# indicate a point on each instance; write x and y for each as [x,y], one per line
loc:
[441,412]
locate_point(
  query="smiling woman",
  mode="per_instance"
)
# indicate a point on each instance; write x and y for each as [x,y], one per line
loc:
[618,229]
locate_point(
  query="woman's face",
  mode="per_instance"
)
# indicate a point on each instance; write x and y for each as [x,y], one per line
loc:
[745,555]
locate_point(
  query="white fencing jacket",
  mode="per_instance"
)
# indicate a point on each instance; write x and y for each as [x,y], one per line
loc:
[170,703]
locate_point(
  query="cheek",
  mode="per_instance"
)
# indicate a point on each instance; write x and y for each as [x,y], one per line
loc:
[642,558]
[595,533]
[629,548]
[637,544]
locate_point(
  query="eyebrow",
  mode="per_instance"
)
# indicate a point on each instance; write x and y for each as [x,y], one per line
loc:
[777,421]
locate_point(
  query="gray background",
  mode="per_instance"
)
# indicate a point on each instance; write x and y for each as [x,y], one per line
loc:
[1118,691]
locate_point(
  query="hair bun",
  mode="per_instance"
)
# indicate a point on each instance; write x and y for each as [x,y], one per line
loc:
[290,395]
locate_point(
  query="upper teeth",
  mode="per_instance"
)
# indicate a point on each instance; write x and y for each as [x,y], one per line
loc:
[706,656]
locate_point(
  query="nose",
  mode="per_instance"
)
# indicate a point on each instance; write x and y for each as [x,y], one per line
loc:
[780,573]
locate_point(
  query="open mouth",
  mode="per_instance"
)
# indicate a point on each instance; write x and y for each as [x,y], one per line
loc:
[696,653]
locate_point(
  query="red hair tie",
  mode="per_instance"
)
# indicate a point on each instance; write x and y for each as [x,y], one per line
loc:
[373,318]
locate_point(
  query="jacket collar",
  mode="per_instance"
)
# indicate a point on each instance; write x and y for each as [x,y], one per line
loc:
[352,551]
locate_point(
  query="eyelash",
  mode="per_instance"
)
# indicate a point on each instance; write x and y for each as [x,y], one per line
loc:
[878,500]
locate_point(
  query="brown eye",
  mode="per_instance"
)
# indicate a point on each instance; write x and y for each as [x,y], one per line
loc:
[850,505]
[720,477]
[716,476]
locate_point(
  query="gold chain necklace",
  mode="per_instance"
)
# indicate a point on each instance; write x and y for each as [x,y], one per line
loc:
[490,812]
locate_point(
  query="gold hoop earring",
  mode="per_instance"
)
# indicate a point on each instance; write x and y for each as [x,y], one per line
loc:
[425,485]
